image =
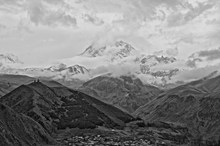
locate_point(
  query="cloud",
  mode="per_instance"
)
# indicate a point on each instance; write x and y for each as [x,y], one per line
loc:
[187,38]
[93,19]
[172,52]
[100,70]
[195,74]
[116,69]
[181,18]
[168,52]
[192,62]
[119,30]
[102,65]
[210,54]
[204,57]
[55,2]
[39,14]
[170,66]
[11,2]
[189,25]
[102,5]
[2,27]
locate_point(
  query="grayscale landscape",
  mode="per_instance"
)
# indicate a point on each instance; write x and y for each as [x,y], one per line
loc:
[109,73]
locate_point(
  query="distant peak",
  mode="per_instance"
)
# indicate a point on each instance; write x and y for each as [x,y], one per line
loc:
[159,59]
[78,69]
[116,50]
[121,42]
[58,67]
[78,66]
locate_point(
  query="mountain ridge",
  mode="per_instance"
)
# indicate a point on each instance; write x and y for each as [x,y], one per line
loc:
[126,92]
[54,110]
[195,104]
[120,49]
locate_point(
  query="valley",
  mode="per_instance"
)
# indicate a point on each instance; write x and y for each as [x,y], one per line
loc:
[109,73]
[71,105]
[183,115]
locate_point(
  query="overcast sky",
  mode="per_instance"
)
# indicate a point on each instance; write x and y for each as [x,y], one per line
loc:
[42,31]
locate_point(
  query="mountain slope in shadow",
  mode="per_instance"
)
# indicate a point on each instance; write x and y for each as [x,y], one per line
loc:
[59,108]
[125,92]
[20,130]
[195,105]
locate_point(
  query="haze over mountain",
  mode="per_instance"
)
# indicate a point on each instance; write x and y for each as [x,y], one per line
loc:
[43,32]
[121,58]
[34,29]
[73,71]
[125,92]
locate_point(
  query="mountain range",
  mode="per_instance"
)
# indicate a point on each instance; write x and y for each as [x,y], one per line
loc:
[120,54]
[43,106]
[189,111]
[56,105]
[195,105]
[45,109]
[125,92]
[117,51]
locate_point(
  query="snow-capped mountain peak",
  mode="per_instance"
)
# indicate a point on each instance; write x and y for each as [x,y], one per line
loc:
[118,50]
[57,67]
[153,59]
[77,69]
[60,72]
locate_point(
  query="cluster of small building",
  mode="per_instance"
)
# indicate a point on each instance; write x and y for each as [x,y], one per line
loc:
[98,140]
